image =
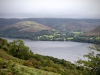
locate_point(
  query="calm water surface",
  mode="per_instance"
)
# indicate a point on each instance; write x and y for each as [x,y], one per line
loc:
[70,51]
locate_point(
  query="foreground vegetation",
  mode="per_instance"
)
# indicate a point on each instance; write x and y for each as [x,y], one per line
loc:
[17,59]
[92,65]
[12,68]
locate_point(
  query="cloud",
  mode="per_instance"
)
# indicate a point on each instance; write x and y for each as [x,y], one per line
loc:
[50,8]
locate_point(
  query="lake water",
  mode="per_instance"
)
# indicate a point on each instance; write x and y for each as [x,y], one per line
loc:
[70,51]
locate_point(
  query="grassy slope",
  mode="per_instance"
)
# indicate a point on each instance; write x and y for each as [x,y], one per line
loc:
[10,65]
[25,29]
[28,26]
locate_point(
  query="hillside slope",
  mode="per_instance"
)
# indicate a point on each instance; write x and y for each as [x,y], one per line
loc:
[10,65]
[18,59]
[57,22]
[28,26]
[25,29]
[94,32]
[74,26]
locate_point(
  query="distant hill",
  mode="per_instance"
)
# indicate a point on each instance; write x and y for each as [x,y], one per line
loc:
[74,26]
[27,26]
[61,24]
[25,29]
[94,32]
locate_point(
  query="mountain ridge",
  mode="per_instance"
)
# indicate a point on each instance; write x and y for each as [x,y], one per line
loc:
[53,22]
[74,26]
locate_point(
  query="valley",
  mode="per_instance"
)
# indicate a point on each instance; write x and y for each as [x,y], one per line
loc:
[49,37]
[51,46]
[52,29]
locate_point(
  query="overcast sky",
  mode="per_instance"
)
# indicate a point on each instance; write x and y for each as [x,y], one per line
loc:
[50,9]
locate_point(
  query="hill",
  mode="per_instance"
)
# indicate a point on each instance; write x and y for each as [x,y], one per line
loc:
[74,26]
[94,32]
[10,65]
[17,59]
[58,23]
[28,26]
[25,29]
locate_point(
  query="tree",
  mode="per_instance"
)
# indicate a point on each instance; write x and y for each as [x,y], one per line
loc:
[92,65]
[4,44]
[18,49]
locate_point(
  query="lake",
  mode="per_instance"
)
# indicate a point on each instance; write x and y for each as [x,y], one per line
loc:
[70,51]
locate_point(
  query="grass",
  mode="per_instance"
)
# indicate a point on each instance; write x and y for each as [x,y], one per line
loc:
[10,65]
[77,32]
[12,68]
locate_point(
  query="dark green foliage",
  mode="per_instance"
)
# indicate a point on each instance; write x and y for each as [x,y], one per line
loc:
[92,65]
[15,33]
[4,44]
[19,50]
[88,39]
[46,35]
[9,67]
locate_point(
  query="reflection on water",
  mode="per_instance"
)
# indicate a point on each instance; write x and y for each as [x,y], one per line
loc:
[69,51]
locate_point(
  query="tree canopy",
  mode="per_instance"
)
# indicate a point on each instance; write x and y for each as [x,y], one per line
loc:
[18,49]
[92,65]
